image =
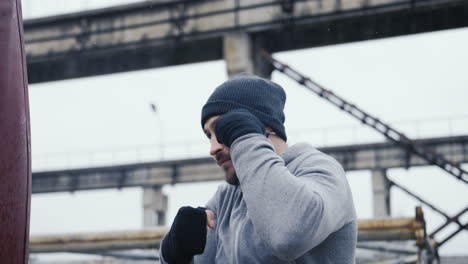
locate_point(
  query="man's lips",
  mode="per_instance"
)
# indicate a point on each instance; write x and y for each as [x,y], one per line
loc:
[221,162]
[222,158]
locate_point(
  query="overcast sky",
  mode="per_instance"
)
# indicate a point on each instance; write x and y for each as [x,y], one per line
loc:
[418,83]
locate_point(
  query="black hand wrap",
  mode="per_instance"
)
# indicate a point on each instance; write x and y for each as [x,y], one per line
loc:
[187,236]
[235,124]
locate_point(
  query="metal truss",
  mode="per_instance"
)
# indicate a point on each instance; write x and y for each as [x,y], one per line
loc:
[367,119]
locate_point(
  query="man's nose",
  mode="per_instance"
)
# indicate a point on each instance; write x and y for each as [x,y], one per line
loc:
[215,146]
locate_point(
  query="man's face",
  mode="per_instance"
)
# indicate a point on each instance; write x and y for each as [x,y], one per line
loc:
[220,152]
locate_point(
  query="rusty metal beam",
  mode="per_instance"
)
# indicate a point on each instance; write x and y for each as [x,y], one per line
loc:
[389,224]
[369,230]
[98,242]
[389,229]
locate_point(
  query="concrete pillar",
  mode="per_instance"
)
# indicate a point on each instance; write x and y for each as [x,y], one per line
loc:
[238,53]
[154,206]
[380,193]
[242,54]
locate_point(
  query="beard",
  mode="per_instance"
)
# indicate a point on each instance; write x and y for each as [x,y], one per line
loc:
[223,160]
[231,176]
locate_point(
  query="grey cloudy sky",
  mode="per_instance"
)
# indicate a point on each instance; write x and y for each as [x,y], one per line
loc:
[418,83]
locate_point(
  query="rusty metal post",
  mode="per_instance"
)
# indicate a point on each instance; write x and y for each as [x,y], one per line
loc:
[15,158]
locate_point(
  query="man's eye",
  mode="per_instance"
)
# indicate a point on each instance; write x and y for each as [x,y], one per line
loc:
[208,135]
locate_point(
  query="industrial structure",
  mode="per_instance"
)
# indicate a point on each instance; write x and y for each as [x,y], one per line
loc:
[164,33]
[245,34]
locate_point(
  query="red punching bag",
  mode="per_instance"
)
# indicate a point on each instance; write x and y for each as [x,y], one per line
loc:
[15,154]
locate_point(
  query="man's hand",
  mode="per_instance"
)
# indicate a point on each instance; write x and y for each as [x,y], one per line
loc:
[187,236]
[210,219]
[235,124]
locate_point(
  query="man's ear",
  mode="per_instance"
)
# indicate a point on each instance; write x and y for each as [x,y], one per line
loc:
[269,132]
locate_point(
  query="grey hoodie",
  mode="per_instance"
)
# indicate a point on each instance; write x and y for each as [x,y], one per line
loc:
[293,208]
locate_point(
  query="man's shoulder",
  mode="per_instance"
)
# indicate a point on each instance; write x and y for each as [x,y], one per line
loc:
[302,155]
[303,151]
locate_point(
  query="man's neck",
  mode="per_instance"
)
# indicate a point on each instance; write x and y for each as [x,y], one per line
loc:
[278,144]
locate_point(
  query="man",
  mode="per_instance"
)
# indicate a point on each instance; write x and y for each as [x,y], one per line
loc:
[281,204]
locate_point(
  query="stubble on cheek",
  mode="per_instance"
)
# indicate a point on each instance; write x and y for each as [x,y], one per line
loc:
[230,174]
[224,161]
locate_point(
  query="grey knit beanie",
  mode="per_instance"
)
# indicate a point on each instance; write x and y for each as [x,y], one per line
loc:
[263,98]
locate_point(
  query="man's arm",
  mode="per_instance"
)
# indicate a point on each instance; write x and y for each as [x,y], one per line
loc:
[191,238]
[187,236]
[291,213]
[209,254]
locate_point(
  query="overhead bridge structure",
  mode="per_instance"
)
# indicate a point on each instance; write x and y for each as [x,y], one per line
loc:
[375,157]
[164,33]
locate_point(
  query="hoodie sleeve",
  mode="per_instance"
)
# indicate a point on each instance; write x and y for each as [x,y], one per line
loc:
[293,210]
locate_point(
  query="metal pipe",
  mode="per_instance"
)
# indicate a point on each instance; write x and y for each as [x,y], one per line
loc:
[119,255]
[389,229]
[385,248]
[369,230]
[413,259]
[98,242]
[91,247]
[389,224]
[390,235]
